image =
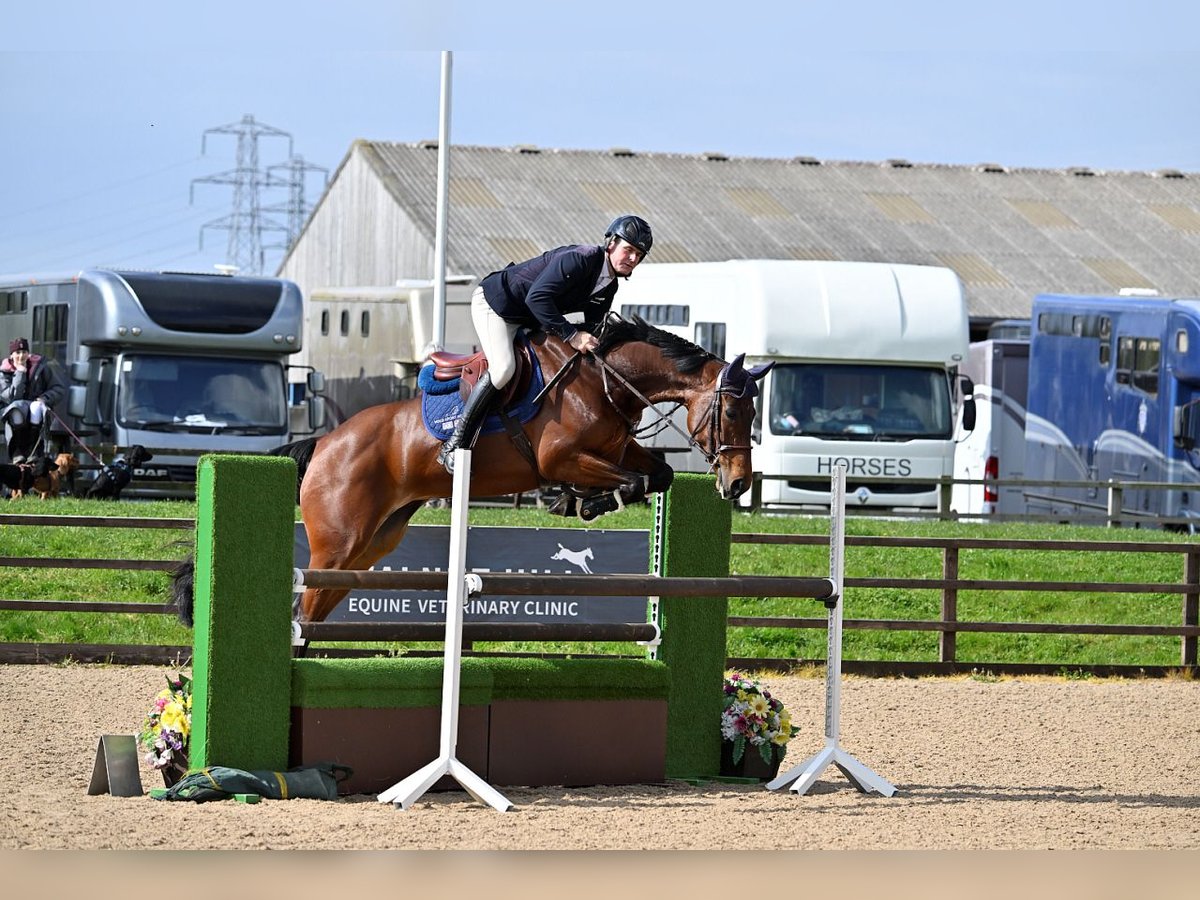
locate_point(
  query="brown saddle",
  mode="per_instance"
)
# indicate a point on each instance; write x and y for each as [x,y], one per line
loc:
[470,366]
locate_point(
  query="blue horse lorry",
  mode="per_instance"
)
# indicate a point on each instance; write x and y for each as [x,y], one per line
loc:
[183,364]
[1113,395]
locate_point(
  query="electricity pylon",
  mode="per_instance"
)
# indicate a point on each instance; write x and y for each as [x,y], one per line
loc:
[246,223]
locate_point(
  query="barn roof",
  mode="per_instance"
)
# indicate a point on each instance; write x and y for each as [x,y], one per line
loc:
[1009,233]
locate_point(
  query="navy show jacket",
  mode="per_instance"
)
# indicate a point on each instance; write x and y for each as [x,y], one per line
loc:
[539,291]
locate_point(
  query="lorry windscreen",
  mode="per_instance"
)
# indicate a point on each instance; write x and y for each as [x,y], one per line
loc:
[860,402]
[174,393]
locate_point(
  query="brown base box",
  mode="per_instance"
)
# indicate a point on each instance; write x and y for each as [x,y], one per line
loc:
[384,746]
[575,743]
[528,743]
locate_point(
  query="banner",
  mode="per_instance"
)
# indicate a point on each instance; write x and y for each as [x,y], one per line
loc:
[532,551]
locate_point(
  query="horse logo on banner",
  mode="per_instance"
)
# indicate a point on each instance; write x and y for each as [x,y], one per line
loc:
[575,557]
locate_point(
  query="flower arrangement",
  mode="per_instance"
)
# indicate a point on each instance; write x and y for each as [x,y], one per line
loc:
[753,715]
[168,725]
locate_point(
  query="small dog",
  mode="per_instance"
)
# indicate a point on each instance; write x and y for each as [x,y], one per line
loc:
[21,477]
[116,475]
[16,477]
[50,484]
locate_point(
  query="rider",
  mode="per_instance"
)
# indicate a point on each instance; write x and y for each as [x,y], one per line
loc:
[579,278]
[28,387]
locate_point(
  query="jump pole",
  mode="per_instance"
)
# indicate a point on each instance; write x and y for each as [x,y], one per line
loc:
[801,777]
[406,792]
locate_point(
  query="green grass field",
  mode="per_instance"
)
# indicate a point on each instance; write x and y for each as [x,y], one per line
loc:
[783,643]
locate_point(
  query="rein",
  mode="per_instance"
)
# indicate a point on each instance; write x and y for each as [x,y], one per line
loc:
[713,414]
[663,421]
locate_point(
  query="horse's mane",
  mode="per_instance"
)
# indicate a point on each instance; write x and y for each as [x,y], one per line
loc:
[688,357]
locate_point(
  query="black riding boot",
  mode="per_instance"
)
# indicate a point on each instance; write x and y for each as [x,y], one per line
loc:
[467,428]
[15,443]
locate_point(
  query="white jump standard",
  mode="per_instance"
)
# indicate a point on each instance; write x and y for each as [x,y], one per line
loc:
[407,791]
[801,777]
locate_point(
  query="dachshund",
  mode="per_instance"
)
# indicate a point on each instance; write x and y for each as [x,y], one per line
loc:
[50,484]
[115,477]
[21,477]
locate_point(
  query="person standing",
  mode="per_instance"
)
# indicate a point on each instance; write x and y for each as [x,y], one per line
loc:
[539,293]
[28,388]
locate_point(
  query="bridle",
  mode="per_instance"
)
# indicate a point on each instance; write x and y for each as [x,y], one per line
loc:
[712,415]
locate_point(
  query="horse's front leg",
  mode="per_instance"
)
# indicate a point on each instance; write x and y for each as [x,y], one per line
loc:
[655,477]
[659,474]
[639,473]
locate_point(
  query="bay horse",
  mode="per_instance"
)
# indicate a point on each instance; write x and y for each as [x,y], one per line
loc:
[361,483]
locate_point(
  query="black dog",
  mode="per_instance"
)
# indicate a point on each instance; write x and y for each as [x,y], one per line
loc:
[15,478]
[116,475]
[19,478]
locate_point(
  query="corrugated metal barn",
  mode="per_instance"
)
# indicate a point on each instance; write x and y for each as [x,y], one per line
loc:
[1008,233]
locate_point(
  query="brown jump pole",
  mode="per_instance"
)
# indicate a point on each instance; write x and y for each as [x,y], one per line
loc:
[505,583]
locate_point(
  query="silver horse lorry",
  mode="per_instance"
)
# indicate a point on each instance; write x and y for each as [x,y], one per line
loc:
[182,364]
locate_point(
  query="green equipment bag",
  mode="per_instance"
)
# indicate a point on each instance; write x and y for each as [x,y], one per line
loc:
[317,782]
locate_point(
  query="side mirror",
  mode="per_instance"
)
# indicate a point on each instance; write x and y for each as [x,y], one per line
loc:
[966,388]
[1182,427]
[968,420]
[316,413]
[80,370]
[316,382]
[77,398]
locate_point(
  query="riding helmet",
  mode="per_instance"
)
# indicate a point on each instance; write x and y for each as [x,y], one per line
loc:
[631,229]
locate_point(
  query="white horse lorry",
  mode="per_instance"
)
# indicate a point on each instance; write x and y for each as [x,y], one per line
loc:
[182,364]
[995,450]
[867,358]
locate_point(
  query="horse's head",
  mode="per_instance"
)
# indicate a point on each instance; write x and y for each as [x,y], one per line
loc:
[719,396]
[723,424]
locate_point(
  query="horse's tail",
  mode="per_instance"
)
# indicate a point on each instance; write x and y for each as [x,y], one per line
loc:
[183,590]
[301,451]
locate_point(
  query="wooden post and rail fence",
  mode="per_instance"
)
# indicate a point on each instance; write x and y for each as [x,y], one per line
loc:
[948,626]
[1105,502]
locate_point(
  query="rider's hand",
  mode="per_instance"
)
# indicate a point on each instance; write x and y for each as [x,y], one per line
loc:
[583,341]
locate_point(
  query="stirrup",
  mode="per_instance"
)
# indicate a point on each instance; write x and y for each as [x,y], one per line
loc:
[446,456]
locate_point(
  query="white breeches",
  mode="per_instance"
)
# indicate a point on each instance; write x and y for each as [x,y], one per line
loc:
[496,338]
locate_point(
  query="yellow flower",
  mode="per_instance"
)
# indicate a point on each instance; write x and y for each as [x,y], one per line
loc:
[175,719]
[781,738]
[759,705]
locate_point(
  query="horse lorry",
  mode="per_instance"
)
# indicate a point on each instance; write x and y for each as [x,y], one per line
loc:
[182,364]
[867,370]
[1114,396]
[370,342]
[995,450]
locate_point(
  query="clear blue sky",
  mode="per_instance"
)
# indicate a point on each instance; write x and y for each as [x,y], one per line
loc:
[102,114]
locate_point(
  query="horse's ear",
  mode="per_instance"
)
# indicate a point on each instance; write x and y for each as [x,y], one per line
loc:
[737,362]
[758,372]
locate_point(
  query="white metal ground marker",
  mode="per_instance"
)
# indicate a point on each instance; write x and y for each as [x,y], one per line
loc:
[801,777]
[406,792]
